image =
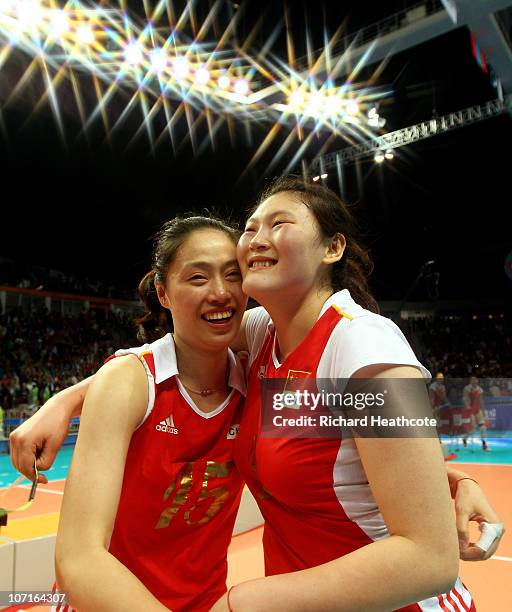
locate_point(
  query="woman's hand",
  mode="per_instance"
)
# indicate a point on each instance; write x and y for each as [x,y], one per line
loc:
[41,436]
[471,504]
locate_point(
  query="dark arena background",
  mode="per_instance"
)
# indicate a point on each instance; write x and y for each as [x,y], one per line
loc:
[116,116]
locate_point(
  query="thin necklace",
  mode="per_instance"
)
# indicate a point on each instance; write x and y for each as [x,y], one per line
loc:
[204,392]
[207,391]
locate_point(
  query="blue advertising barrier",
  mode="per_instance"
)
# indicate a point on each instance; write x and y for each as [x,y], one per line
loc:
[499,413]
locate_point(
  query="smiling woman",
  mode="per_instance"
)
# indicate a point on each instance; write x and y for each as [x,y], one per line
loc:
[152,483]
[299,221]
[351,523]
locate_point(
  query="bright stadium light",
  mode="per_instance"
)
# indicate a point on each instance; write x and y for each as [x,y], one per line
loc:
[241,87]
[223,81]
[296,100]
[85,34]
[314,104]
[389,154]
[158,59]
[202,75]
[180,67]
[352,108]
[29,13]
[59,22]
[332,105]
[379,157]
[133,54]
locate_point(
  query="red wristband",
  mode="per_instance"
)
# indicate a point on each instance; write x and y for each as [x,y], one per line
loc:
[456,484]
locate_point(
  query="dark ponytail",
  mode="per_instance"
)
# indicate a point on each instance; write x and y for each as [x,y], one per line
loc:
[334,217]
[156,321]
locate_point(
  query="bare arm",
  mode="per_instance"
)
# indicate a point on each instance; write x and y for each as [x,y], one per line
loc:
[93,578]
[418,560]
[42,435]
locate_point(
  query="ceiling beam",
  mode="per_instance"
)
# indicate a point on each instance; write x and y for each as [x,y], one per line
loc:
[409,28]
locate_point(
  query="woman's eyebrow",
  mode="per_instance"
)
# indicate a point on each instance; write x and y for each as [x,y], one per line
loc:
[198,264]
[277,213]
[205,265]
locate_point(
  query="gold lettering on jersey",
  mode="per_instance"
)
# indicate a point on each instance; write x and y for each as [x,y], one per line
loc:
[219,495]
[179,498]
[217,470]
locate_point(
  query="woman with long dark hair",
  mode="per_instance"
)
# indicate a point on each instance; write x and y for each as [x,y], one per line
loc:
[351,523]
[152,493]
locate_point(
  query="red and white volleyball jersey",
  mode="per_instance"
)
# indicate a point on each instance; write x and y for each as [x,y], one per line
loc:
[313,493]
[473,397]
[437,392]
[181,489]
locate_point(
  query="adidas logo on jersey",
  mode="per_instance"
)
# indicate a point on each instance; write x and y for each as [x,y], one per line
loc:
[167,426]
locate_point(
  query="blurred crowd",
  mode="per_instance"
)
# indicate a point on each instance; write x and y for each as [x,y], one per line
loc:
[461,345]
[42,352]
[25,276]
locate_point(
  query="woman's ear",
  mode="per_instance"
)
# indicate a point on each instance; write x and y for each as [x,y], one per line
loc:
[335,249]
[162,296]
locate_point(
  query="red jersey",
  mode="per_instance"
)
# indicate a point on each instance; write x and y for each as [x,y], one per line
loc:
[437,392]
[473,398]
[313,492]
[181,490]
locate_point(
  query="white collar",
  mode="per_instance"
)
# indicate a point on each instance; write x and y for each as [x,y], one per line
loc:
[341,299]
[166,365]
